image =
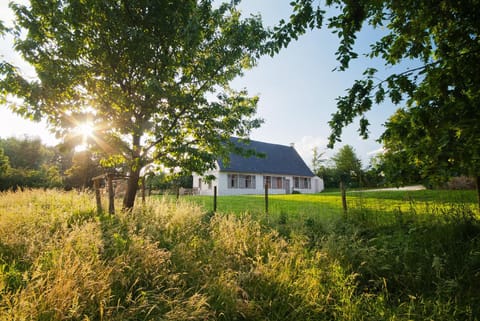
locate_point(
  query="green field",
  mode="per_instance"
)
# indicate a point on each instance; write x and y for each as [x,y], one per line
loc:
[394,256]
[326,205]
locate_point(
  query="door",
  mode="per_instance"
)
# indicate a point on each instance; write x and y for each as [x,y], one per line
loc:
[287,186]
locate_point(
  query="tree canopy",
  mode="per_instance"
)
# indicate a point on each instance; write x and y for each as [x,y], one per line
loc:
[151,76]
[347,163]
[347,166]
[437,124]
[26,163]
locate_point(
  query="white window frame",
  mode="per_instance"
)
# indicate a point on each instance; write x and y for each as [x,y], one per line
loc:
[274,182]
[302,182]
[241,181]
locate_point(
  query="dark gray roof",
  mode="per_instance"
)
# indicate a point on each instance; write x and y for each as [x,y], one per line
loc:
[279,159]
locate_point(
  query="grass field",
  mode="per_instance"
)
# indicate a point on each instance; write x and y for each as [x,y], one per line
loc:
[395,256]
[327,205]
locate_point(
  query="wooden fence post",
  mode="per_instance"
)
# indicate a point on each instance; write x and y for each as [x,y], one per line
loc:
[344,197]
[111,194]
[266,198]
[214,199]
[98,198]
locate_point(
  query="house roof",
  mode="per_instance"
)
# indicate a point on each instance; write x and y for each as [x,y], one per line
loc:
[278,160]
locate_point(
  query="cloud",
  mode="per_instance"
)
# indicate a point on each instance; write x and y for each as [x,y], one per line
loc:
[381,150]
[306,145]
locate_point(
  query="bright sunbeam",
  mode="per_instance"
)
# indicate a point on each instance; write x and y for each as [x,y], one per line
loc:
[85,129]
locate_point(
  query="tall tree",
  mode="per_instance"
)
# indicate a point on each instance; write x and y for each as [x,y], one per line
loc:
[441,94]
[431,145]
[348,166]
[153,75]
[347,163]
[396,168]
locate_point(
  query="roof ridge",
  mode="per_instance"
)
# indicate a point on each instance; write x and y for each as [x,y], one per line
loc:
[280,159]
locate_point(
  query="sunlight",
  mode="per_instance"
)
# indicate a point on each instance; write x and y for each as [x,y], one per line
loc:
[85,129]
[81,148]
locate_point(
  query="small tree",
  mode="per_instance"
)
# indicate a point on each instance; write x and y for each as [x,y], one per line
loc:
[348,166]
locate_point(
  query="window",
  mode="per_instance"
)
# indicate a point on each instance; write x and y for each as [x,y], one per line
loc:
[267,181]
[232,181]
[302,182]
[278,182]
[275,182]
[250,181]
[306,183]
[241,181]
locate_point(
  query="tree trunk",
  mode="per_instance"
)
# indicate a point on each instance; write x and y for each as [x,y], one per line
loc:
[132,188]
[111,194]
[134,177]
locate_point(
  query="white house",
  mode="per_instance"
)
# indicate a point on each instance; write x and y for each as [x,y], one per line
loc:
[281,168]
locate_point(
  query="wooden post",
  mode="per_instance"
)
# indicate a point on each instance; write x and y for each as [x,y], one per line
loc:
[344,197]
[111,194]
[214,199]
[98,198]
[266,198]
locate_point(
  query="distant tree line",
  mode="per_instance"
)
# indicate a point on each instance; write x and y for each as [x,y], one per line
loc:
[28,163]
[345,167]
[384,170]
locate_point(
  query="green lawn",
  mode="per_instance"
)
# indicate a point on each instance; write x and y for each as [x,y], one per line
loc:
[329,204]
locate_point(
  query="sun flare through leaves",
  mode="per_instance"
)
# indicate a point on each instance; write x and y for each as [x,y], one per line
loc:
[84,130]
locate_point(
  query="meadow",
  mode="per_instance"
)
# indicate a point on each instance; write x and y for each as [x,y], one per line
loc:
[394,256]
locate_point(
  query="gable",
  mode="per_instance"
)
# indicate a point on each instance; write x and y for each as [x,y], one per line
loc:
[279,159]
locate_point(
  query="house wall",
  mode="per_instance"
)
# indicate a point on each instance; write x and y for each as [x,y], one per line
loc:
[221,182]
[203,187]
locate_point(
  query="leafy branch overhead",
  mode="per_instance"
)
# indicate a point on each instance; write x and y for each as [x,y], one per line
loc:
[153,74]
[439,96]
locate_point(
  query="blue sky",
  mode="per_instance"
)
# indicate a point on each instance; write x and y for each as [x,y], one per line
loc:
[297,90]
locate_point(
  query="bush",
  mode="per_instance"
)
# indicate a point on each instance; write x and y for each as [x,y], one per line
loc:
[461,183]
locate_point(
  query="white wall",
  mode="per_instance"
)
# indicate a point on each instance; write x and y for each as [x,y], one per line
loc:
[221,182]
[317,184]
[203,187]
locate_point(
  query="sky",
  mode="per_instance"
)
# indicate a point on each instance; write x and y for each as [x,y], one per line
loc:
[297,89]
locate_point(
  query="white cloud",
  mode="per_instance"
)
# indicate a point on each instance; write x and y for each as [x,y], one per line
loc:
[376,152]
[306,145]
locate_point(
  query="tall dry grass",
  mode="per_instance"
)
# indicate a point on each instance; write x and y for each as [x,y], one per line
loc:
[170,260]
